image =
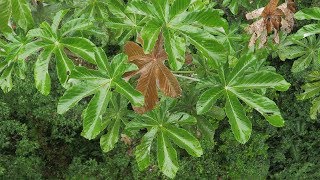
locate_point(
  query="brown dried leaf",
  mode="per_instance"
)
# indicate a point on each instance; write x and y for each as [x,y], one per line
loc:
[189,59]
[292,6]
[273,19]
[153,74]
[270,7]
[254,14]
[272,16]
[147,85]
[288,21]
[258,30]
[168,83]
[126,139]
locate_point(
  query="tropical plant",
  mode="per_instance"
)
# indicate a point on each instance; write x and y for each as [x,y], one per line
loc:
[179,25]
[19,11]
[310,43]
[310,29]
[97,48]
[54,40]
[164,128]
[306,51]
[102,83]
[12,62]
[244,83]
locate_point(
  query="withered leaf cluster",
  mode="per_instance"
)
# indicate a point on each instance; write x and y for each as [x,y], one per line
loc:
[153,74]
[273,18]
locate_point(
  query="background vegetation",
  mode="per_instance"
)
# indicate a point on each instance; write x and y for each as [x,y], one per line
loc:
[38,143]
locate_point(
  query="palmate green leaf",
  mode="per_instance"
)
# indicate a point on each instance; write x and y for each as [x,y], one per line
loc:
[165,127]
[242,83]
[245,62]
[230,38]
[100,83]
[54,40]
[92,80]
[127,23]
[306,50]
[178,24]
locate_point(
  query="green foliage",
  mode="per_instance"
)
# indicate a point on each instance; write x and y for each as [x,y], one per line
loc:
[66,43]
[310,29]
[237,85]
[101,83]
[12,62]
[178,24]
[19,10]
[53,40]
[306,50]
[162,128]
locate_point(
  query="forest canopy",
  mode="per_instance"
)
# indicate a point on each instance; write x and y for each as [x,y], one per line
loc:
[140,89]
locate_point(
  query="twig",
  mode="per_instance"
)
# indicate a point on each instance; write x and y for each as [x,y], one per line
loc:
[186,77]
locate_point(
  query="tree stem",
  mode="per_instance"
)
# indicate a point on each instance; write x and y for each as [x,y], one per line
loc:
[182,72]
[186,77]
